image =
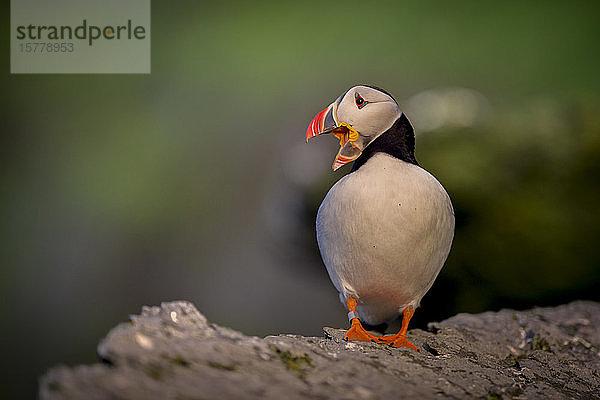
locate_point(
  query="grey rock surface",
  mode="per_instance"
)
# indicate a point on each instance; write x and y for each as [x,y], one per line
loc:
[173,352]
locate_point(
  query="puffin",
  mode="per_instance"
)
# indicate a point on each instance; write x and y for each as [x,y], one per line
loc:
[384,229]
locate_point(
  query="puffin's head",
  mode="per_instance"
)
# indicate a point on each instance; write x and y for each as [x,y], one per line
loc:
[356,118]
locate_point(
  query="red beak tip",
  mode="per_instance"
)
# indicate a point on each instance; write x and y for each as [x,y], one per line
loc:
[315,127]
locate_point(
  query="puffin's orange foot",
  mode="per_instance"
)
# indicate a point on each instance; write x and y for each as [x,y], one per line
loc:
[400,341]
[359,334]
[356,331]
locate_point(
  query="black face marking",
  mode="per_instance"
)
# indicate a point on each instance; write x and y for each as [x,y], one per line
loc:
[360,102]
[398,141]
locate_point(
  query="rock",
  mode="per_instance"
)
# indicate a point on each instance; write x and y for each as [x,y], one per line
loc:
[173,352]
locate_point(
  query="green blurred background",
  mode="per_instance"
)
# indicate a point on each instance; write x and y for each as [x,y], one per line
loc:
[194,182]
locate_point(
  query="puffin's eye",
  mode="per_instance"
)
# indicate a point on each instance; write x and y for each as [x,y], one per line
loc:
[360,102]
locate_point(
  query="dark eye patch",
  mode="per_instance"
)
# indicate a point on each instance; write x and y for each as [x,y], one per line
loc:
[360,102]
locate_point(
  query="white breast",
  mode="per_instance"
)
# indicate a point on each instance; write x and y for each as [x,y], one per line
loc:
[384,232]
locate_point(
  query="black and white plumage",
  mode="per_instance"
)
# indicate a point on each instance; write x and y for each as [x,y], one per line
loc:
[385,229]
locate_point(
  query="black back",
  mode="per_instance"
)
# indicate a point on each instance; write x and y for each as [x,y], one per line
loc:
[398,141]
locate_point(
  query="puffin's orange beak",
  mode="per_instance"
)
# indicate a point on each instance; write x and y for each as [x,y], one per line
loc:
[326,122]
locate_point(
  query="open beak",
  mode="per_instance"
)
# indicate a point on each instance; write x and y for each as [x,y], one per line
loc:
[327,122]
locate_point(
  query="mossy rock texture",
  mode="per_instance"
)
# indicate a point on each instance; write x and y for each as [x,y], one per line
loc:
[173,352]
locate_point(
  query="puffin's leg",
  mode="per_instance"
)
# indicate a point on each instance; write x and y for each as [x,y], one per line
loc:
[400,339]
[356,331]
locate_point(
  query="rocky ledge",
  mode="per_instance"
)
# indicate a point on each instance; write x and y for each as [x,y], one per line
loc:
[173,352]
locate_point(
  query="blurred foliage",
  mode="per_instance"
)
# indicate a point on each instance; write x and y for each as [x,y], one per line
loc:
[124,190]
[525,193]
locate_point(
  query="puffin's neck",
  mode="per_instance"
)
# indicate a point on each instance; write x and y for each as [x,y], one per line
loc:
[398,141]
